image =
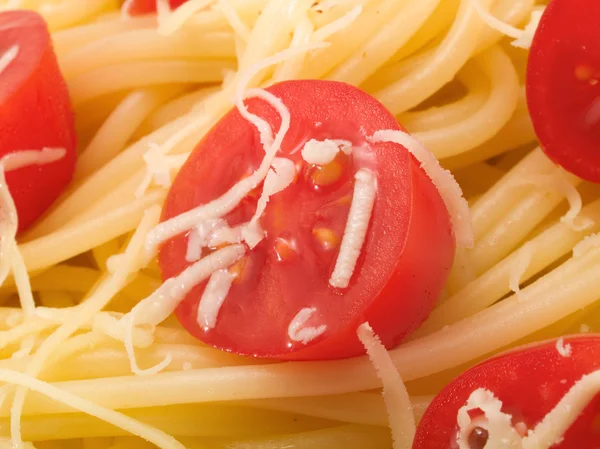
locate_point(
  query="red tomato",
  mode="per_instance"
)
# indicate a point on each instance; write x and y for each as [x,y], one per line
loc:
[35,112]
[140,7]
[563,85]
[529,381]
[404,261]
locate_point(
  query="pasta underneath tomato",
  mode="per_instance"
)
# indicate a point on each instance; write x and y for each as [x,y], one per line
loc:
[146,88]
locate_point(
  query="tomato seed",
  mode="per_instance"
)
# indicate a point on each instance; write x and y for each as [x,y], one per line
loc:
[478,438]
[326,237]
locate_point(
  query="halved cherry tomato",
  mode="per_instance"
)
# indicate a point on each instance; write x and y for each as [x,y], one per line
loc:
[35,112]
[529,381]
[563,85]
[403,263]
[141,7]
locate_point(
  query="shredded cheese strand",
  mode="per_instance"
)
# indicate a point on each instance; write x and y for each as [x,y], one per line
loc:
[450,191]
[323,152]
[159,305]
[395,395]
[213,297]
[298,330]
[558,182]
[361,208]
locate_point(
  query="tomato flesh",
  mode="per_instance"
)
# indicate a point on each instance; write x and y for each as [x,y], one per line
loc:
[563,85]
[403,263]
[141,7]
[529,381]
[35,112]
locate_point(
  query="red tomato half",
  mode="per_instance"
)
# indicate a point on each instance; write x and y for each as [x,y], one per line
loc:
[35,112]
[141,7]
[529,381]
[563,85]
[404,261]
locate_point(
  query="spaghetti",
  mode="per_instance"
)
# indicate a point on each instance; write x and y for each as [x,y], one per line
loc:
[146,89]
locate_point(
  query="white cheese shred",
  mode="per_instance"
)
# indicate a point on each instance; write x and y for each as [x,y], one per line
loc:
[522,38]
[8,57]
[450,191]
[495,421]
[298,330]
[565,350]
[558,182]
[213,297]
[322,152]
[397,401]
[201,236]
[159,305]
[361,208]
[280,176]
[517,269]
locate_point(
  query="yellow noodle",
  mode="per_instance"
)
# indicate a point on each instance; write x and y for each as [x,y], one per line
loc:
[146,44]
[128,75]
[120,126]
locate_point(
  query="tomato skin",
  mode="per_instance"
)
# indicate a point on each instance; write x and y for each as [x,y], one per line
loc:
[563,85]
[404,261]
[529,381]
[141,7]
[35,112]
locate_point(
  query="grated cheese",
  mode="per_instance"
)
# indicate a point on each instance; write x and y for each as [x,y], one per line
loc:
[213,297]
[280,176]
[522,38]
[158,168]
[8,57]
[225,235]
[400,412]
[519,266]
[361,208]
[297,329]
[159,305]
[563,349]
[201,236]
[559,183]
[449,190]
[497,423]
[322,152]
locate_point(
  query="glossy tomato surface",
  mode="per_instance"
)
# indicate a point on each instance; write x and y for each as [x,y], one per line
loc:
[141,7]
[403,263]
[35,112]
[529,381]
[563,85]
